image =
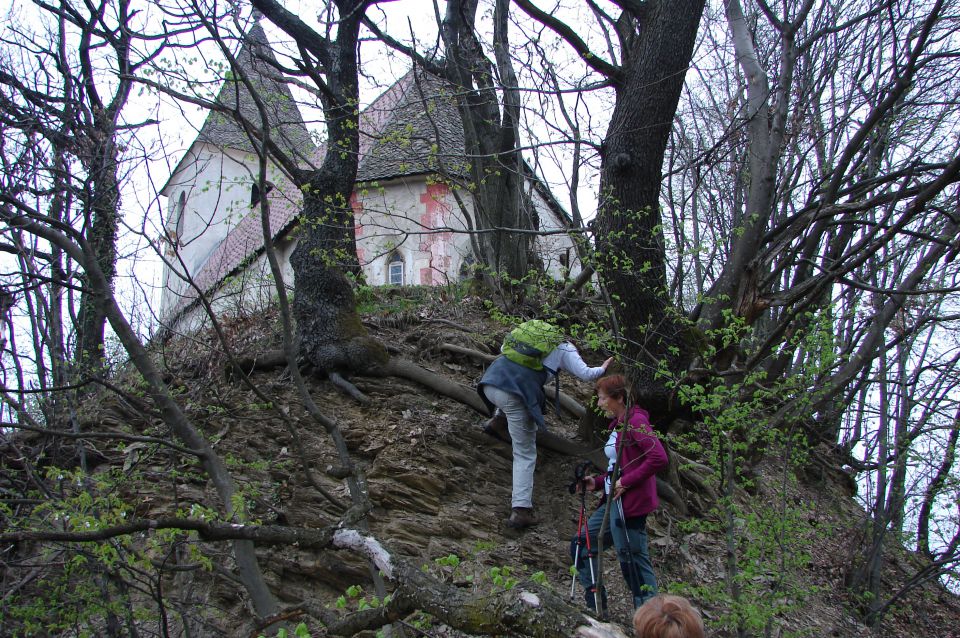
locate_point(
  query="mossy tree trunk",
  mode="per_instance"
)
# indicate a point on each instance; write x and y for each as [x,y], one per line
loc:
[331,335]
[97,118]
[329,329]
[656,43]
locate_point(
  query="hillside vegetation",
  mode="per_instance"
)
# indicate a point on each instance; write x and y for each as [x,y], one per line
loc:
[440,491]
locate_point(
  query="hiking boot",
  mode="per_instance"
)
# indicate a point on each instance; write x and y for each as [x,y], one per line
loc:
[497,427]
[521,518]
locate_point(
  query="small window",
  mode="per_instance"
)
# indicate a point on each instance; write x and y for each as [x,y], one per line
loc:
[255,193]
[395,270]
[181,214]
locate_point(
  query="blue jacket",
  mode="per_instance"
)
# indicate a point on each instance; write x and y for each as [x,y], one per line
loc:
[519,380]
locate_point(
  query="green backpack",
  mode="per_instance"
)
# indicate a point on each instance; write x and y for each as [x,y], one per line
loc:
[530,342]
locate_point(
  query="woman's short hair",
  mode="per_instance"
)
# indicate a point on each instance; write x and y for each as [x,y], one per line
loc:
[614,386]
[668,616]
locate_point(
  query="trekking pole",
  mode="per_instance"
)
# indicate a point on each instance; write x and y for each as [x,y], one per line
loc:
[582,528]
[626,534]
[593,575]
[576,554]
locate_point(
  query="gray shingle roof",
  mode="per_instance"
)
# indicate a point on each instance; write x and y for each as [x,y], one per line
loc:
[286,123]
[413,128]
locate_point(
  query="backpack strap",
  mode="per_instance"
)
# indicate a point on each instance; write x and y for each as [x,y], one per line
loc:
[556,396]
[523,348]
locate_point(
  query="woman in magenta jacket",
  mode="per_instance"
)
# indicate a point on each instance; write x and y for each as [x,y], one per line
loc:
[634,495]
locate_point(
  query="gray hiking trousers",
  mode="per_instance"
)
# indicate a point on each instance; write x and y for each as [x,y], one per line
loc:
[523,431]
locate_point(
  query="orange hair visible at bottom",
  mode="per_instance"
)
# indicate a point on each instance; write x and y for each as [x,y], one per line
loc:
[668,616]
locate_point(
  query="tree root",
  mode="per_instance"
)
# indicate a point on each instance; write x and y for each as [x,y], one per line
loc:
[407,369]
[398,367]
[270,360]
[476,354]
[695,474]
[567,402]
[350,389]
[441,385]
[669,495]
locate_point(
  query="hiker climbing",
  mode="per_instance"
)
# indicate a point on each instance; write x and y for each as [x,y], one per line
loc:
[635,456]
[532,353]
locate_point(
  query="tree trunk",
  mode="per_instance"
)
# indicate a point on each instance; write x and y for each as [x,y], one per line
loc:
[490,142]
[738,282]
[630,240]
[102,237]
[934,488]
[331,335]
[866,579]
[101,192]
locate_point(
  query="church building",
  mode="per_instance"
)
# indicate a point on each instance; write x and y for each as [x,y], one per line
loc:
[411,206]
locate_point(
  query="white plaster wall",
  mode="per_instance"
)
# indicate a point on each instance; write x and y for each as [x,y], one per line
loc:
[554,246]
[248,293]
[397,216]
[217,183]
[392,217]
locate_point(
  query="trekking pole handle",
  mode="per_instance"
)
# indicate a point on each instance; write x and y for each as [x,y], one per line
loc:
[580,476]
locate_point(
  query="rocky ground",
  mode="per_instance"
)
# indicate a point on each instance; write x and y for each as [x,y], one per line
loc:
[441,488]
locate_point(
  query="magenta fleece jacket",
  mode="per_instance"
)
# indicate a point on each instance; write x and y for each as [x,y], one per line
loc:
[641,457]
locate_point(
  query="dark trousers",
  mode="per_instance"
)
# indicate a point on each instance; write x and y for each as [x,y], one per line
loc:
[630,539]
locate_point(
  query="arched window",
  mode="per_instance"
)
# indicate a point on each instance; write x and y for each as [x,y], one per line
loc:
[395,270]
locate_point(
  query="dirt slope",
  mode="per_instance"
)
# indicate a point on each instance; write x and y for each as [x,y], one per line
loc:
[440,487]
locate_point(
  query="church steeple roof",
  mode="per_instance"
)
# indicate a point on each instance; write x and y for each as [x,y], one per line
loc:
[412,128]
[287,127]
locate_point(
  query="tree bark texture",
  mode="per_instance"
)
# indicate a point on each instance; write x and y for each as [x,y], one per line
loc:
[331,334]
[329,328]
[99,155]
[630,239]
[491,141]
